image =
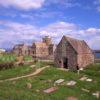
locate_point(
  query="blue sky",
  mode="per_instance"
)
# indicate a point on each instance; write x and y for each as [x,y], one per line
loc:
[26,21]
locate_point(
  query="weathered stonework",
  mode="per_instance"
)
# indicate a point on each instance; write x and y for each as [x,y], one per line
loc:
[40,50]
[73,54]
[21,49]
[44,49]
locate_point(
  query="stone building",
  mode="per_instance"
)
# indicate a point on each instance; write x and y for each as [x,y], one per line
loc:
[21,49]
[44,49]
[73,54]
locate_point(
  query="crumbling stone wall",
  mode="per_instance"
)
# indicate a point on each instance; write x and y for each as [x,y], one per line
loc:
[43,49]
[20,49]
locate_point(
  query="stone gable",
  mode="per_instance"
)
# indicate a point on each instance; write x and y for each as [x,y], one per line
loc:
[72,53]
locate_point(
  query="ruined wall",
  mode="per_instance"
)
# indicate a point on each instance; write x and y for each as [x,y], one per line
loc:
[20,50]
[30,51]
[17,50]
[33,50]
[25,50]
[38,49]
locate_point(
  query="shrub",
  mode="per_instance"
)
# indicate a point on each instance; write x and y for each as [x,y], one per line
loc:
[6,65]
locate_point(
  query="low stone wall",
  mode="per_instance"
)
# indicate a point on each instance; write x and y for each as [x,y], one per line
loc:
[44,58]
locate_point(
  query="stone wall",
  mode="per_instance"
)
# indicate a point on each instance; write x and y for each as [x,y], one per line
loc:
[44,49]
[85,59]
[51,49]
[21,50]
[47,40]
[75,59]
[65,50]
[41,51]
[72,56]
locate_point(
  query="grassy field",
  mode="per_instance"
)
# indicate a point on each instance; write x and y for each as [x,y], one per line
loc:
[16,71]
[8,57]
[40,63]
[27,58]
[18,90]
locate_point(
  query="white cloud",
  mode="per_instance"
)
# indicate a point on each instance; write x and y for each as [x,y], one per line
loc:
[95,42]
[23,4]
[93,30]
[58,29]
[14,33]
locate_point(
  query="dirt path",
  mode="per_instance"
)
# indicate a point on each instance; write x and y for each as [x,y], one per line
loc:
[24,76]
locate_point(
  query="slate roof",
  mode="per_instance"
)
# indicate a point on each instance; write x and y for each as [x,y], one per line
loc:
[80,46]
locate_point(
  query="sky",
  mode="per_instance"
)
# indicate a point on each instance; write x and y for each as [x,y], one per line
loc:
[27,21]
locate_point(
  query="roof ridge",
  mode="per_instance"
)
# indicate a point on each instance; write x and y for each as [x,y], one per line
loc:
[78,45]
[73,38]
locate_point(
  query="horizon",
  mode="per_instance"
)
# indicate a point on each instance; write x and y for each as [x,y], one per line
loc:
[30,20]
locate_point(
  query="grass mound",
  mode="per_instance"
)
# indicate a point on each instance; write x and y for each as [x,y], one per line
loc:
[17,90]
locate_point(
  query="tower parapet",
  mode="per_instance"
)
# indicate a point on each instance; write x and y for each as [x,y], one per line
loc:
[47,40]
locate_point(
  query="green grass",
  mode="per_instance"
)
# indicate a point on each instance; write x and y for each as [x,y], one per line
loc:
[16,71]
[8,57]
[17,90]
[27,58]
[40,63]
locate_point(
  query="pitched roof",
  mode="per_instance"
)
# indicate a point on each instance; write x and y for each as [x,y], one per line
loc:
[80,46]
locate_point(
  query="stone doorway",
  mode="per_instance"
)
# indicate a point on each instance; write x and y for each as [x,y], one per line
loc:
[65,63]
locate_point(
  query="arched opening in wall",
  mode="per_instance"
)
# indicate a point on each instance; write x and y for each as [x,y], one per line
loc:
[65,63]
